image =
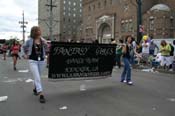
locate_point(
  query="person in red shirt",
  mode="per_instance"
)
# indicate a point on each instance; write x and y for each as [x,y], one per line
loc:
[15,53]
[4,49]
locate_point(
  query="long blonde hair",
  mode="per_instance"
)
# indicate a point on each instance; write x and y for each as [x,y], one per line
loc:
[33,31]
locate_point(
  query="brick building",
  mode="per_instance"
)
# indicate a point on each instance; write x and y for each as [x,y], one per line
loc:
[106,19]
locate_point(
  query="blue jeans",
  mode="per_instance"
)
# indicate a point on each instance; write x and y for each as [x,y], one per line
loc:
[132,60]
[151,52]
[126,74]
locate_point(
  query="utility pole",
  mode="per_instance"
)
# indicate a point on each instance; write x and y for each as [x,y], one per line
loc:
[139,20]
[23,26]
[51,6]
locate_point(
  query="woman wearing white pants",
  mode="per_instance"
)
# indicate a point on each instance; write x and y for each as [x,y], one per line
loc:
[34,50]
[165,50]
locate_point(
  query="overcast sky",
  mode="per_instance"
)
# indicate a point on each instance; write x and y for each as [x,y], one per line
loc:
[11,13]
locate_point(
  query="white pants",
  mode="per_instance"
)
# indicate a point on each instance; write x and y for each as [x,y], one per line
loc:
[166,60]
[36,68]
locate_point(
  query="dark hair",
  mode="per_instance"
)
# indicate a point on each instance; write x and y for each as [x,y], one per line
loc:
[174,42]
[96,41]
[163,42]
[33,31]
[121,41]
[128,37]
[14,42]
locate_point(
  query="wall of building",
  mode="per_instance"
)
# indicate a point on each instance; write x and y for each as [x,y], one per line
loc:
[67,16]
[125,13]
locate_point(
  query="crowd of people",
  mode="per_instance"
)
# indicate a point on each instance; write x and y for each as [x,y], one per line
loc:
[145,52]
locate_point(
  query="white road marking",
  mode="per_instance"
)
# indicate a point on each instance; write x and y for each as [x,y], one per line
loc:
[23,71]
[63,108]
[3,98]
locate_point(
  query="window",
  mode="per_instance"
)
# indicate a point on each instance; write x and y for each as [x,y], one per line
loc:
[74,4]
[122,27]
[89,8]
[172,21]
[94,6]
[130,26]
[151,24]
[99,5]
[111,2]
[172,26]
[64,20]
[64,2]
[105,3]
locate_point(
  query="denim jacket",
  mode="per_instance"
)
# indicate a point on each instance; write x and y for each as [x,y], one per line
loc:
[27,47]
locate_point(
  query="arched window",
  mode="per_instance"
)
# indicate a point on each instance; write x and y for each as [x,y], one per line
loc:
[105,3]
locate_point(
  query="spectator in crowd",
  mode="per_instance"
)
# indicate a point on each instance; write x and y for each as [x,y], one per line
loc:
[152,48]
[171,55]
[133,52]
[4,50]
[119,53]
[165,50]
[145,49]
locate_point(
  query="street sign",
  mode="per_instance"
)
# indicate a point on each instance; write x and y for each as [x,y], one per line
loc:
[81,60]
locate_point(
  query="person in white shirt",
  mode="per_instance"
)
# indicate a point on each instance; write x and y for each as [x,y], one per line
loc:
[145,49]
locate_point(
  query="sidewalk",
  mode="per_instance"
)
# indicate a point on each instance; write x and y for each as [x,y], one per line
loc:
[141,67]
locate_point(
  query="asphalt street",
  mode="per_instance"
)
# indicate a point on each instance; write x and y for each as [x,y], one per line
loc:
[153,94]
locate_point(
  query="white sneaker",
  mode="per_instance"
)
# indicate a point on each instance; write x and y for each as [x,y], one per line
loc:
[130,83]
[124,81]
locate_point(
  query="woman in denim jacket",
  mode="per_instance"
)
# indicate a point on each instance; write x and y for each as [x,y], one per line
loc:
[34,50]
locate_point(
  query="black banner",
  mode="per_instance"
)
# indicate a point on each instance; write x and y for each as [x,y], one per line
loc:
[81,60]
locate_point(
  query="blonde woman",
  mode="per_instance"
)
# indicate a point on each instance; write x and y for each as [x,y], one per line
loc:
[34,50]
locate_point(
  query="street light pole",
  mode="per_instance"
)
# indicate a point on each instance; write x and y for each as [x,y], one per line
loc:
[51,19]
[23,26]
[139,20]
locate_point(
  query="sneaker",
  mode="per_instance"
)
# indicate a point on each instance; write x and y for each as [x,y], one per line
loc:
[42,99]
[35,92]
[130,83]
[123,81]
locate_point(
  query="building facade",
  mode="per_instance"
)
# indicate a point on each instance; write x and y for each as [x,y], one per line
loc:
[114,19]
[67,19]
